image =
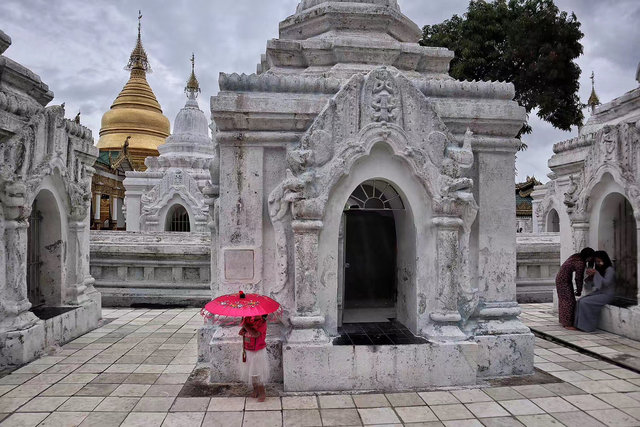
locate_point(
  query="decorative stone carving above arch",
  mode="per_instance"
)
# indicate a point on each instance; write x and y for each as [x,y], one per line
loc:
[383,107]
[615,150]
[155,202]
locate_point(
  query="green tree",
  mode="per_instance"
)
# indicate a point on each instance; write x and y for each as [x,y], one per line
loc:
[530,43]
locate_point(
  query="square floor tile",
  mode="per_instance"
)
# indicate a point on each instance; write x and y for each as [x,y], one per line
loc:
[521,407]
[502,393]
[554,404]
[10,404]
[301,418]
[130,390]
[438,398]
[451,412]
[28,419]
[404,399]
[190,404]
[144,419]
[463,423]
[533,391]
[80,404]
[141,378]
[78,378]
[378,416]
[370,400]
[270,404]
[262,419]
[618,400]
[43,404]
[64,419]
[183,419]
[223,419]
[154,404]
[593,386]
[501,422]
[27,390]
[299,402]
[226,404]
[172,379]
[97,389]
[104,419]
[416,414]
[340,401]
[165,390]
[563,389]
[486,409]
[471,396]
[587,402]
[614,417]
[577,419]
[117,404]
[340,417]
[540,420]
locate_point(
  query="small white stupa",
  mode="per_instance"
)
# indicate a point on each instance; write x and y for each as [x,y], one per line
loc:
[168,195]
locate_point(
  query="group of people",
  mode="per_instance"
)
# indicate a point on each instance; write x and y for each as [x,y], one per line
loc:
[600,278]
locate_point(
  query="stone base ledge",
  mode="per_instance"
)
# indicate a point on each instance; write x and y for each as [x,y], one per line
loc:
[403,367]
[621,321]
[505,355]
[23,346]
[221,348]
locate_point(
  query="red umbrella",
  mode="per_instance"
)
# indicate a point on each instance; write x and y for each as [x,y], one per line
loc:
[240,305]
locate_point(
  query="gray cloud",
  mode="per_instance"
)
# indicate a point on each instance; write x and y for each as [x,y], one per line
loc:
[79,48]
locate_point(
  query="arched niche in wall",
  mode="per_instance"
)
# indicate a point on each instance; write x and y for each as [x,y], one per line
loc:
[617,234]
[45,251]
[178,219]
[553,222]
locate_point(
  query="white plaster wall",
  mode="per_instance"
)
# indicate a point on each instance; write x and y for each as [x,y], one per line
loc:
[132,203]
[381,164]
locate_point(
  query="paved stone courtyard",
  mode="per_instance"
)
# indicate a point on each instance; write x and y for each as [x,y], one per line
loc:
[622,351]
[133,371]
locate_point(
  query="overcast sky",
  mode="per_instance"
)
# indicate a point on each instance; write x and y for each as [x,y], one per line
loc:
[79,48]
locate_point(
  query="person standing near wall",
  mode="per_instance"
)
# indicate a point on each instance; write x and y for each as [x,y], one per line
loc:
[575,264]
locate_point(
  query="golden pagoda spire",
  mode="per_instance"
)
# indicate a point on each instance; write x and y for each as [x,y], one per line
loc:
[193,87]
[594,101]
[138,59]
[135,112]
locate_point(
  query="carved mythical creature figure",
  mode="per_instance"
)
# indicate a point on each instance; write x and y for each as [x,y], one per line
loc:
[570,196]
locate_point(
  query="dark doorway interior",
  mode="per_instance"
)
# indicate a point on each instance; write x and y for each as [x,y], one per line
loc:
[370,261]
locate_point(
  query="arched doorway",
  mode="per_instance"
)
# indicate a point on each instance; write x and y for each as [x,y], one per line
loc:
[369,252]
[45,250]
[553,222]
[617,234]
[178,219]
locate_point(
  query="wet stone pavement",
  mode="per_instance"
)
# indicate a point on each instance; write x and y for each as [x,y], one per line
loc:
[140,369]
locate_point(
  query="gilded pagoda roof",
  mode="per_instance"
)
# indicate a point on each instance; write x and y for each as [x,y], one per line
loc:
[135,112]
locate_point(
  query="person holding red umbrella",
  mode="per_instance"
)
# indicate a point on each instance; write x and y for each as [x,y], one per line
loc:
[255,365]
[254,310]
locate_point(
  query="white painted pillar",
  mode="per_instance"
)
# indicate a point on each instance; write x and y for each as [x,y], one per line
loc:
[96,213]
[114,209]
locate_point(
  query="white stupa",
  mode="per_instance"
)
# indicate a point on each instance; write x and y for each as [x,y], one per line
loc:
[168,195]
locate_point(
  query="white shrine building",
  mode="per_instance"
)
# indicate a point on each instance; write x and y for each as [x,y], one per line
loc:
[358,182]
[47,295]
[168,195]
[593,199]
